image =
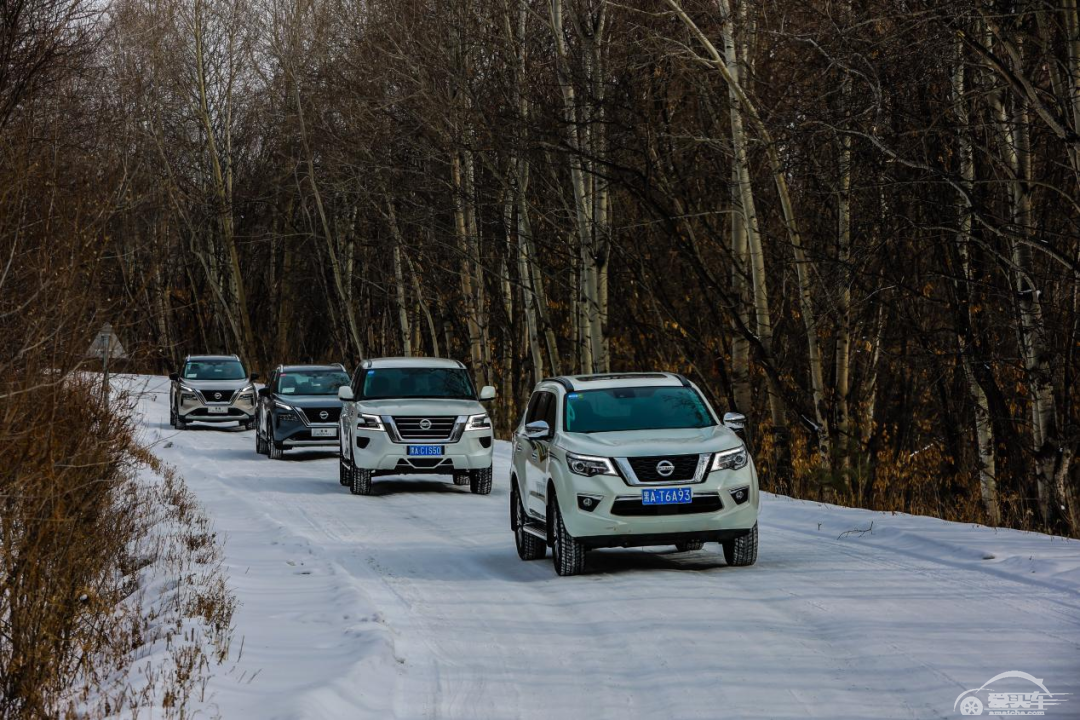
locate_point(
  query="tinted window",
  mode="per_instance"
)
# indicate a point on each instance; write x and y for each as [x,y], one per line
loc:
[641,408]
[417,383]
[213,370]
[310,382]
[538,407]
[549,408]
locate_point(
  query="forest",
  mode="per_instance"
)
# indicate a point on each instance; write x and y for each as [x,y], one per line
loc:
[854,221]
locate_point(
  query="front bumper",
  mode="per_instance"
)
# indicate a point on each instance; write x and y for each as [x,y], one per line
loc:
[194,409]
[620,519]
[295,433]
[375,450]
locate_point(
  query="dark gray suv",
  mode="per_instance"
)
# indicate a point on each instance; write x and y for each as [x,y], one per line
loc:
[212,389]
[299,408]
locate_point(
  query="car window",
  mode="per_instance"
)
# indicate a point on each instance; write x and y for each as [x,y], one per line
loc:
[541,408]
[637,408]
[534,404]
[213,370]
[549,409]
[418,382]
[311,382]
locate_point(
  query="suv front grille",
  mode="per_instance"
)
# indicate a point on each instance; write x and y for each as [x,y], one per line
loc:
[634,507]
[313,414]
[645,467]
[437,428]
[218,396]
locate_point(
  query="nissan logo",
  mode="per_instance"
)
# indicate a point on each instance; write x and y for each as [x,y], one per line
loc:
[664,468]
[217,396]
[425,424]
[323,415]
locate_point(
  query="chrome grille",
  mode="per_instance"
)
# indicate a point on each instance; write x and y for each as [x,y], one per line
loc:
[425,428]
[685,466]
[211,396]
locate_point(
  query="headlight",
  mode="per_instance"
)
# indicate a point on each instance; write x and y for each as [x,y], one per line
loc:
[282,406]
[735,459]
[370,422]
[247,393]
[189,396]
[478,422]
[588,465]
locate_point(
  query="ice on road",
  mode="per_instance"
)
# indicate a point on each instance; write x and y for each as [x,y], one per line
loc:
[412,603]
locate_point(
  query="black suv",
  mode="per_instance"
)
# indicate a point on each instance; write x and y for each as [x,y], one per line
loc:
[212,389]
[299,408]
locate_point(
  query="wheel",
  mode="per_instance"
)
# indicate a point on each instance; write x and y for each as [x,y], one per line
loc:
[567,551]
[690,545]
[742,551]
[276,452]
[359,481]
[971,705]
[480,481]
[260,446]
[343,472]
[529,547]
[172,415]
[461,477]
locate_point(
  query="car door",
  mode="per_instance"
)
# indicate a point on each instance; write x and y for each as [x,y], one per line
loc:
[536,457]
[266,404]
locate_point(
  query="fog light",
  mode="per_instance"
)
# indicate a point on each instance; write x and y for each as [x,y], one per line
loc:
[740,495]
[588,503]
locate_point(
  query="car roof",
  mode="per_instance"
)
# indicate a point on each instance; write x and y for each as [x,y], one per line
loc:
[297,368]
[410,362]
[604,381]
[208,358]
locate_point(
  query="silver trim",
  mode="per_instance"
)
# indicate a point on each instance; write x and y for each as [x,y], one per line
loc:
[632,479]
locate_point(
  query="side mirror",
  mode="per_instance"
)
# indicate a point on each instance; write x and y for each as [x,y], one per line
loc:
[175,377]
[253,377]
[264,392]
[537,430]
[735,421]
[487,393]
[345,393]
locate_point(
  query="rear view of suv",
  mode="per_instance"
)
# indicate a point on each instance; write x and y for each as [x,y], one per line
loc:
[411,416]
[212,389]
[627,461]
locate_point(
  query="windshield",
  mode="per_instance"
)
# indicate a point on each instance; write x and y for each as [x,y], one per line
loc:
[418,383]
[311,382]
[213,370]
[639,408]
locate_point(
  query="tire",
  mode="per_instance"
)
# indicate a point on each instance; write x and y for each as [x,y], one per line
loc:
[480,481]
[742,551]
[529,547]
[260,446]
[172,415]
[275,451]
[343,472]
[461,477]
[567,551]
[359,481]
[690,545]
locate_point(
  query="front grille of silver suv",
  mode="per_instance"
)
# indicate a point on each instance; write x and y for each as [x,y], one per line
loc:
[425,428]
[647,470]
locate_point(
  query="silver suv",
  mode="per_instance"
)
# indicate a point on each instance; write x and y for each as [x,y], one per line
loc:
[212,389]
[626,461]
[412,416]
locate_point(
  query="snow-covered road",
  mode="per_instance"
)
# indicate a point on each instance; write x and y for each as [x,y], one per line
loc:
[413,604]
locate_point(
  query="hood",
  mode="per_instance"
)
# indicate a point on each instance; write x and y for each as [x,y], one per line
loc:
[310,401]
[225,386]
[420,407]
[649,443]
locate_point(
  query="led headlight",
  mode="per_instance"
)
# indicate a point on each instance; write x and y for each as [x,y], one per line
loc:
[734,459]
[370,422]
[588,465]
[247,393]
[478,422]
[283,406]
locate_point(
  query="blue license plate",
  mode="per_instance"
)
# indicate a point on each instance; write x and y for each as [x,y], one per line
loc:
[425,450]
[667,496]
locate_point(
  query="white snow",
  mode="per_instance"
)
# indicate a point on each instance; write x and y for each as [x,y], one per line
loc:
[413,604]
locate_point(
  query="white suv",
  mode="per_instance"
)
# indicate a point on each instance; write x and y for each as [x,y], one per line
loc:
[627,461]
[411,416]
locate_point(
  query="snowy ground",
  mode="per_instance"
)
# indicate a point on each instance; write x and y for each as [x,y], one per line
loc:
[413,604]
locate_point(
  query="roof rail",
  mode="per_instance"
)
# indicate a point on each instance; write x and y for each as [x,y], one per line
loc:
[562,381]
[682,379]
